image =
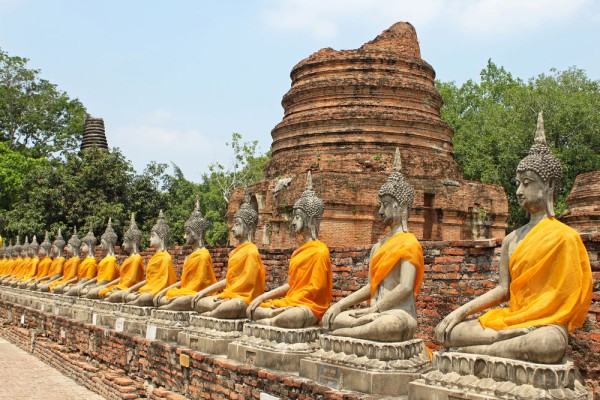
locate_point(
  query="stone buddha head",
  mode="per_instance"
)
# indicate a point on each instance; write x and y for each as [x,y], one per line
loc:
[108,238]
[538,175]
[308,211]
[396,197]
[132,237]
[34,247]
[16,250]
[45,247]
[245,221]
[88,243]
[58,245]
[74,244]
[159,235]
[195,227]
[25,248]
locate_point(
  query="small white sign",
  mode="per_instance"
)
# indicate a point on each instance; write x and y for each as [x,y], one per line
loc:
[120,324]
[43,307]
[56,310]
[94,319]
[23,319]
[151,332]
[266,396]
[63,334]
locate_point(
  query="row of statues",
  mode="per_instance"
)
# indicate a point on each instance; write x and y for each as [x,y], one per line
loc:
[545,274]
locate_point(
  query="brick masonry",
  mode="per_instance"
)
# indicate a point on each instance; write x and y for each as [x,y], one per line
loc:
[118,366]
[583,213]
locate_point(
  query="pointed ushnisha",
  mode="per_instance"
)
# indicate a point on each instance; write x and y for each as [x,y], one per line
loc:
[246,212]
[309,202]
[397,186]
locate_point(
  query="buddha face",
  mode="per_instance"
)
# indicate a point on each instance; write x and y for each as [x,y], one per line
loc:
[532,191]
[42,252]
[239,229]
[56,251]
[24,253]
[389,210]
[127,244]
[85,249]
[70,250]
[190,236]
[155,240]
[300,221]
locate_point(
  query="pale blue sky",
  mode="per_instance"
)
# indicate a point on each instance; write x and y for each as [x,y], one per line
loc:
[173,79]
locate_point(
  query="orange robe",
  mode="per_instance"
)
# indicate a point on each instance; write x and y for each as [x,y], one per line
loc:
[9,266]
[159,274]
[245,274]
[31,269]
[21,269]
[551,280]
[401,246]
[88,269]
[198,273]
[43,267]
[108,269]
[16,267]
[56,267]
[310,279]
[130,273]
[69,272]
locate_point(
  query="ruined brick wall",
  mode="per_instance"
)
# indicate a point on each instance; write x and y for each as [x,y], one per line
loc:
[583,213]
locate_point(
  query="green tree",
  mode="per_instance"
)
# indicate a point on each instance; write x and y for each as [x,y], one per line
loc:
[494,123]
[36,118]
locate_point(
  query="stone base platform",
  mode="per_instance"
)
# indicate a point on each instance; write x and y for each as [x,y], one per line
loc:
[210,335]
[461,376]
[132,319]
[168,324]
[104,313]
[276,348]
[366,366]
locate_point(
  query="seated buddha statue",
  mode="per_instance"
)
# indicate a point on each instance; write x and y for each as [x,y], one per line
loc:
[15,263]
[131,271]
[396,270]
[71,267]
[33,264]
[23,265]
[545,276]
[108,268]
[303,300]
[198,272]
[160,271]
[44,264]
[88,269]
[55,270]
[245,278]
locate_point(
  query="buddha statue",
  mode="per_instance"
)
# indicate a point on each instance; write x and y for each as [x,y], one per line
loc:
[58,263]
[303,300]
[108,268]
[245,278]
[160,272]
[16,262]
[71,266]
[9,261]
[88,269]
[44,264]
[132,269]
[33,265]
[545,276]
[25,264]
[396,271]
[198,272]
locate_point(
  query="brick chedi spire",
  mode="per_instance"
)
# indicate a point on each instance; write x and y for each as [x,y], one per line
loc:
[344,116]
[583,213]
[94,135]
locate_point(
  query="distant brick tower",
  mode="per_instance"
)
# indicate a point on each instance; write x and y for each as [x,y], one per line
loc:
[583,213]
[94,135]
[344,115]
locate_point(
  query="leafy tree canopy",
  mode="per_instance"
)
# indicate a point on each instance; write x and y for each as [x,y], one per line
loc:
[494,124]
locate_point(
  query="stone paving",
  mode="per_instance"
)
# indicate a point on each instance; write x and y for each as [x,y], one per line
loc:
[24,377]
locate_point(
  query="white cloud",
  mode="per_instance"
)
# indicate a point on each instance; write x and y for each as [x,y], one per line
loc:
[324,19]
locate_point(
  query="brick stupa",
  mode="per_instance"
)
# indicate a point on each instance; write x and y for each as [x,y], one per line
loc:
[344,116]
[94,135]
[583,213]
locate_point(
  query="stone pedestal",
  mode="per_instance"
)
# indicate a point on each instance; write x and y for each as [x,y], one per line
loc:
[276,348]
[134,319]
[82,309]
[63,305]
[105,313]
[460,376]
[210,335]
[366,366]
[169,323]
